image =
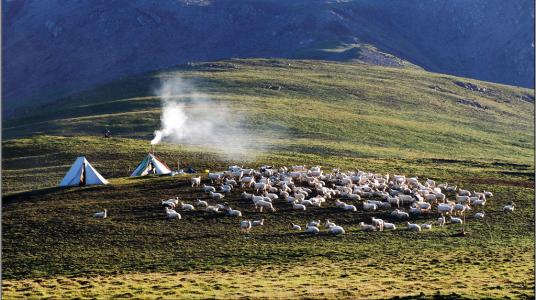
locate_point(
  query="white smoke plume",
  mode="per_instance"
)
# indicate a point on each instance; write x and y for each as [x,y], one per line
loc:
[191,117]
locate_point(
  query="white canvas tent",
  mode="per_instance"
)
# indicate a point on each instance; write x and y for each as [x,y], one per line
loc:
[151,165]
[82,173]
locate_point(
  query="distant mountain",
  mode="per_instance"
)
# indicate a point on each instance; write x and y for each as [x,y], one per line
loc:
[54,48]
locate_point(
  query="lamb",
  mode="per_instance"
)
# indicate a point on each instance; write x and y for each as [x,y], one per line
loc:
[394,201]
[258,222]
[462,199]
[187,207]
[208,188]
[312,229]
[214,176]
[246,196]
[212,209]
[314,223]
[335,230]
[329,224]
[339,203]
[455,220]
[247,181]
[295,227]
[245,226]
[196,181]
[460,209]
[349,207]
[366,227]
[101,214]
[260,186]
[414,227]
[400,214]
[226,188]
[509,208]
[201,203]
[261,204]
[479,202]
[171,203]
[172,214]
[271,196]
[464,192]
[445,208]
[216,196]
[488,194]
[479,215]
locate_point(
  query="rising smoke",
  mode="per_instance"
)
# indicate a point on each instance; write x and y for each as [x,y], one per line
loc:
[191,117]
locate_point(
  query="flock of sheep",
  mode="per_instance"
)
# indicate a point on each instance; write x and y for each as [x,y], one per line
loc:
[304,189]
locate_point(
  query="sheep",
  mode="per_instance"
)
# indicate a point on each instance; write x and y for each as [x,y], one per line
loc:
[379,223]
[246,196]
[226,188]
[369,206]
[187,207]
[479,215]
[462,199]
[488,194]
[212,209]
[445,208]
[208,188]
[339,203]
[297,206]
[260,186]
[414,227]
[464,192]
[196,181]
[455,220]
[394,201]
[172,214]
[216,196]
[101,214]
[349,207]
[400,214]
[271,196]
[314,223]
[312,229]
[201,203]
[441,221]
[389,226]
[366,227]
[247,181]
[261,204]
[233,212]
[335,230]
[329,224]
[295,227]
[460,208]
[258,222]
[171,203]
[245,226]
[426,226]
[214,176]
[509,208]
[479,202]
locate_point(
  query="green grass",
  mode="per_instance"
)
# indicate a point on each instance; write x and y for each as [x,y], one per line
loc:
[348,116]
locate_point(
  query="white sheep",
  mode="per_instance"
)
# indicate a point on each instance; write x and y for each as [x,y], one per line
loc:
[212,209]
[394,201]
[196,181]
[245,226]
[509,208]
[479,215]
[172,214]
[247,196]
[295,227]
[101,214]
[455,220]
[335,230]
[445,208]
[426,226]
[216,196]
[233,212]
[389,226]
[329,224]
[369,206]
[260,186]
[226,188]
[187,207]
[201,203]
[379,223]
[488,194]
[208,188]
[441,221]
[258,222]
[297,206]
[464,192]
[366,227]
[312,229]
[400,214]
[414,227]
[261,204]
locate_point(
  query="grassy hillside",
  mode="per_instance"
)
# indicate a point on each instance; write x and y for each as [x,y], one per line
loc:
[310,108]
[398,121]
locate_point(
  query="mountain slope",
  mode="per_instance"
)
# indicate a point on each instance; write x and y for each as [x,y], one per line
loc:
[56,48]
[345,113]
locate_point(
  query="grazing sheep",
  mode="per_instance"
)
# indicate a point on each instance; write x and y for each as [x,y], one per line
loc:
[295,227]
[462,199]
[271,196]
[414,227]
[312,229]
[233,212]
[196,181]
[208,188]
[260,186]
[400,214]
[366,227]
[212,209]
[258,222]
[261,204]
[459,209]
[445,208]
[335,230]
[246,196]
[426,226]
[441,221]
[226,188]
[187,207]
[464,192]
[201,203]
[479,215]
[101,214]
[488,194]
[389,226]
[394,201]
[509,208]
[172,214]
[245,226]
[297,206]
[455,220]
[216,196]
